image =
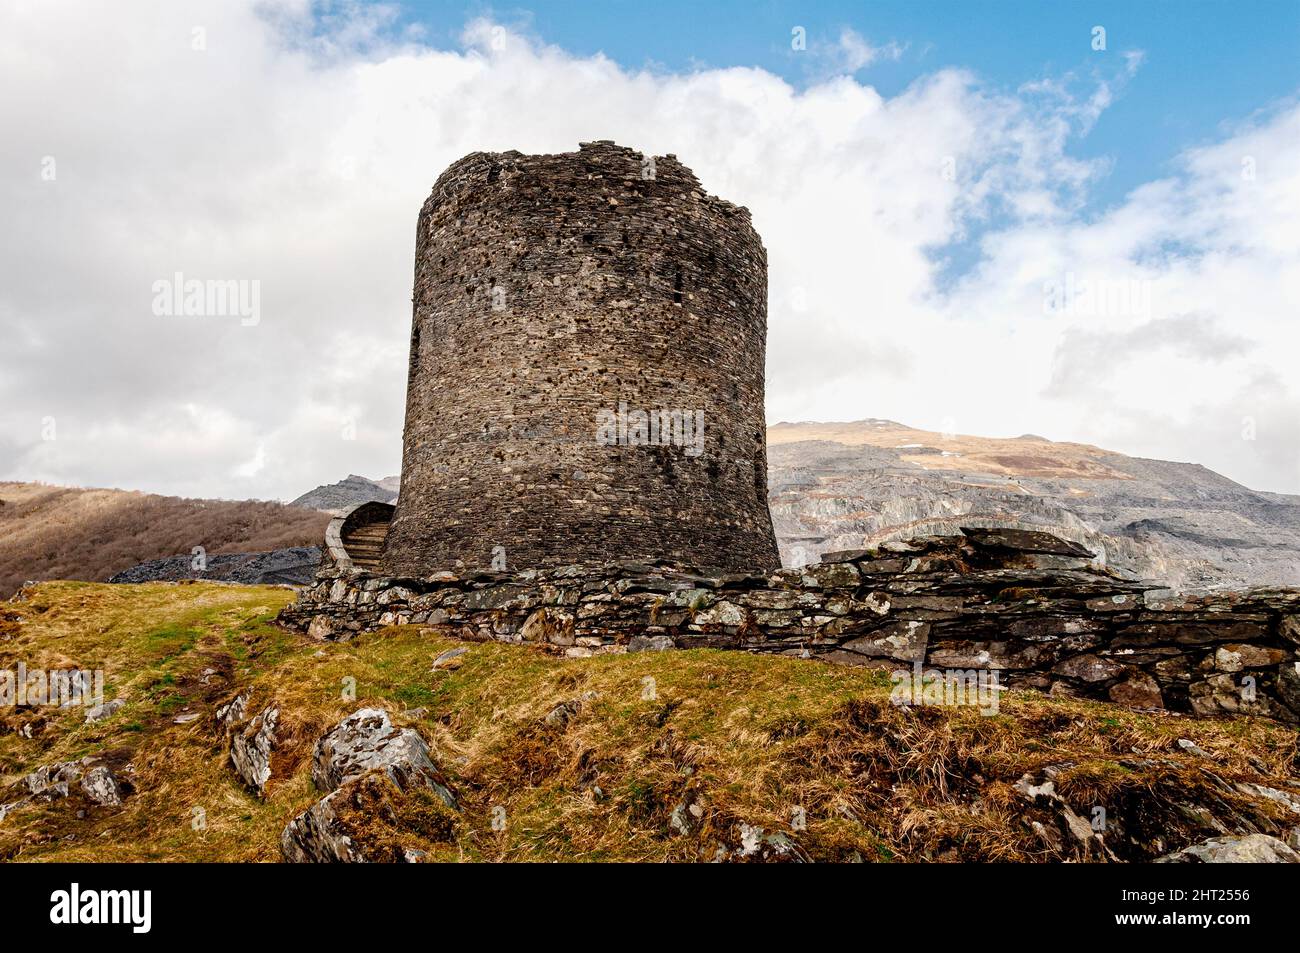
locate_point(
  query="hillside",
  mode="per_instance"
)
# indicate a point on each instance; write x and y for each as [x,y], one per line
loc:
[654,756]
[838,486]
[834,486]
[51,532]
[337,497]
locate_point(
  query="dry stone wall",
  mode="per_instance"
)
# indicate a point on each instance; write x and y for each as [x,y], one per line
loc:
[586,369]
[1029,606]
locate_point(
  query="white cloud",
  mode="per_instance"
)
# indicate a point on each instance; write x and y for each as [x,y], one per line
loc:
[297,154]
[854,52]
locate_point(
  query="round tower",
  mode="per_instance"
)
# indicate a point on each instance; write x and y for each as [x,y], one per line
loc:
[586,370]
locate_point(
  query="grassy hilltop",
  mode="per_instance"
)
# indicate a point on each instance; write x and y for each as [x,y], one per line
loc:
[687,767]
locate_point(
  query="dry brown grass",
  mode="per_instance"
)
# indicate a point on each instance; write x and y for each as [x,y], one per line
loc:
[747,740]
[50,532]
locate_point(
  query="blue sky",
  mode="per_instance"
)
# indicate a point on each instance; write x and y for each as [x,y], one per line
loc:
[921,214]
[1206,62]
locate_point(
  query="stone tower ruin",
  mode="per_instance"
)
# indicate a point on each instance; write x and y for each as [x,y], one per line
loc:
[586,370]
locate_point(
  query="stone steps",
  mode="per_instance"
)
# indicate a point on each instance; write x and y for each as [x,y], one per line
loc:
[365,544]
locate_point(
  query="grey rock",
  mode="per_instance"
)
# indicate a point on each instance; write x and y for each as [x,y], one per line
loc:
[106,710]
[315,836]
[54,781]
[897,640]
[251,748]
[294,566]
[1191,747]
[361,747]
[566,711]
[101,786]
[367,741]
[1090,668]
[1288,800]
[1024,541]
[1235,849]
[650,643]
[449,659]
[233,711]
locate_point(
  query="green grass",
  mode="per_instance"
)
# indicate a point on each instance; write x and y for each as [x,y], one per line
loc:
[749,739]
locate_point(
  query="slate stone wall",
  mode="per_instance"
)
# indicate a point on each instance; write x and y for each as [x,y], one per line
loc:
[1029,606]
[557,297]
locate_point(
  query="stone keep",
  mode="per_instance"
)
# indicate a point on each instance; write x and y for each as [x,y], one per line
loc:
[577,317]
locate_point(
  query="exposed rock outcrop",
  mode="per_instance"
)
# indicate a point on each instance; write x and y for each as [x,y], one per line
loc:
[1241,849]
[374,770]
[347,493]
[88,778]
[836,485]
[251,747]
[250,741]
[366,741]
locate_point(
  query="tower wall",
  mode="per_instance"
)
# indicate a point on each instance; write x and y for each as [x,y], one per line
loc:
[558,298]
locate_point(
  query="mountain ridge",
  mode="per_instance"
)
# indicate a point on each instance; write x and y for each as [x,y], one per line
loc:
[842,485]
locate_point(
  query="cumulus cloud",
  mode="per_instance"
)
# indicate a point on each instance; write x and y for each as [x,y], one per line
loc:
[247,143]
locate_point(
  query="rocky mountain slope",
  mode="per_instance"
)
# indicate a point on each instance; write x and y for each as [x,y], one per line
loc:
[835,486]
[225,738]
[54,532]
[336,497]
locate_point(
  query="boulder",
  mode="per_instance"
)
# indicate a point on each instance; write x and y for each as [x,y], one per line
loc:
[251,747]
[101,786]
[449,660]
[370,763]
[367,741]
[341,827]
[94,779]
[1240,849]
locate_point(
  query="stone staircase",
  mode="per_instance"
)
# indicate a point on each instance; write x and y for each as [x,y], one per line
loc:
[355,539]
[365,545]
